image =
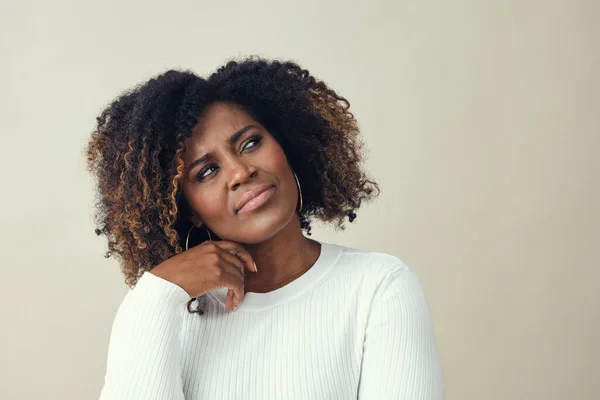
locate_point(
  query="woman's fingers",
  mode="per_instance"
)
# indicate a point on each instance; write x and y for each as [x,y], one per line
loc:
[239,251]
[232,299]
[235,294]
[236,259]
[229,300]
[235,266]
[232,260]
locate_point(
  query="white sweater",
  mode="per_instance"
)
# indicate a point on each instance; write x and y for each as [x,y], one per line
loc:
[356,325]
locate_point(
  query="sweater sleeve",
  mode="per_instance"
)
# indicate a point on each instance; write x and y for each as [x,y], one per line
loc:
[400,357]
[143,359]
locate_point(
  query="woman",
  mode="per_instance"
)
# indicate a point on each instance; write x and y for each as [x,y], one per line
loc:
[205,188]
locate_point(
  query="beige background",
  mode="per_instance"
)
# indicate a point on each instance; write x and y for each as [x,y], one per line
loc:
[483,127]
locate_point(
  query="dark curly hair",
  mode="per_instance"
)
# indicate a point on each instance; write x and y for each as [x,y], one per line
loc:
[135,152]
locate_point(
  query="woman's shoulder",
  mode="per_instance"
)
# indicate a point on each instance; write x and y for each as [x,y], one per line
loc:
[375,274]
[370,256]
[374,261]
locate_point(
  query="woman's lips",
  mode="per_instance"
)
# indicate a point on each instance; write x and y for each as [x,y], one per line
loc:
[258,200]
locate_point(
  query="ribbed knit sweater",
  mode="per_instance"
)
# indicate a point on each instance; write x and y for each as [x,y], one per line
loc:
[356,325]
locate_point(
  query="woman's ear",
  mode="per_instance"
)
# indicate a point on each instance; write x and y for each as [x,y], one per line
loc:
[196,221]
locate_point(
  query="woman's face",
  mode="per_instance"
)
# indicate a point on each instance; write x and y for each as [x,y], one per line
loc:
[229,154]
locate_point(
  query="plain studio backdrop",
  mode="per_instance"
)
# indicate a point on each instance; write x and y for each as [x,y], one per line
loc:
[481,122]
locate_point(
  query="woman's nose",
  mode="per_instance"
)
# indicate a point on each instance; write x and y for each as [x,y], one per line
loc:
[240,173]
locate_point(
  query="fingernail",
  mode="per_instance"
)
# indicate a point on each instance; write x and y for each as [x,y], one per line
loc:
[255,267]
[235,308]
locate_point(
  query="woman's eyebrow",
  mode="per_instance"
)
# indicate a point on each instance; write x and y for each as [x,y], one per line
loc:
[234,138]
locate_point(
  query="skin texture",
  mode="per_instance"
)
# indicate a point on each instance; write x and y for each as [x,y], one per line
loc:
[271,233]
[146,138]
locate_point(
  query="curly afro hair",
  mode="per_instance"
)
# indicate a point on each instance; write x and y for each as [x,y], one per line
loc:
[135,152]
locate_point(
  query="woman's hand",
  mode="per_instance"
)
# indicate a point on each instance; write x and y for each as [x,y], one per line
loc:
[210,265]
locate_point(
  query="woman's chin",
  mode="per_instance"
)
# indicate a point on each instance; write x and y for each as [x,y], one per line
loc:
[260,227]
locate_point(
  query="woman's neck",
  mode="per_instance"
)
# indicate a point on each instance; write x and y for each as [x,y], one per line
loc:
[281,259]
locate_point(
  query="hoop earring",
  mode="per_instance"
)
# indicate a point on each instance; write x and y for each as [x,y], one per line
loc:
[187,239]
[299,190]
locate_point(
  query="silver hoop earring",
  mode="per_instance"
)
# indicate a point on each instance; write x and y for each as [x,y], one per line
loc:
[299,191]
[187,239]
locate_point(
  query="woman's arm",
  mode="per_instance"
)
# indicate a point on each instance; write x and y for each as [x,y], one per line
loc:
[400,356]
[143,353]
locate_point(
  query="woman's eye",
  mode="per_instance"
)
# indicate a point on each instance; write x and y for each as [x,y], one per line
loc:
[255,139]
[202,174]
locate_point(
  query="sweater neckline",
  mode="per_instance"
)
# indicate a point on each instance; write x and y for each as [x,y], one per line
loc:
[255,301]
